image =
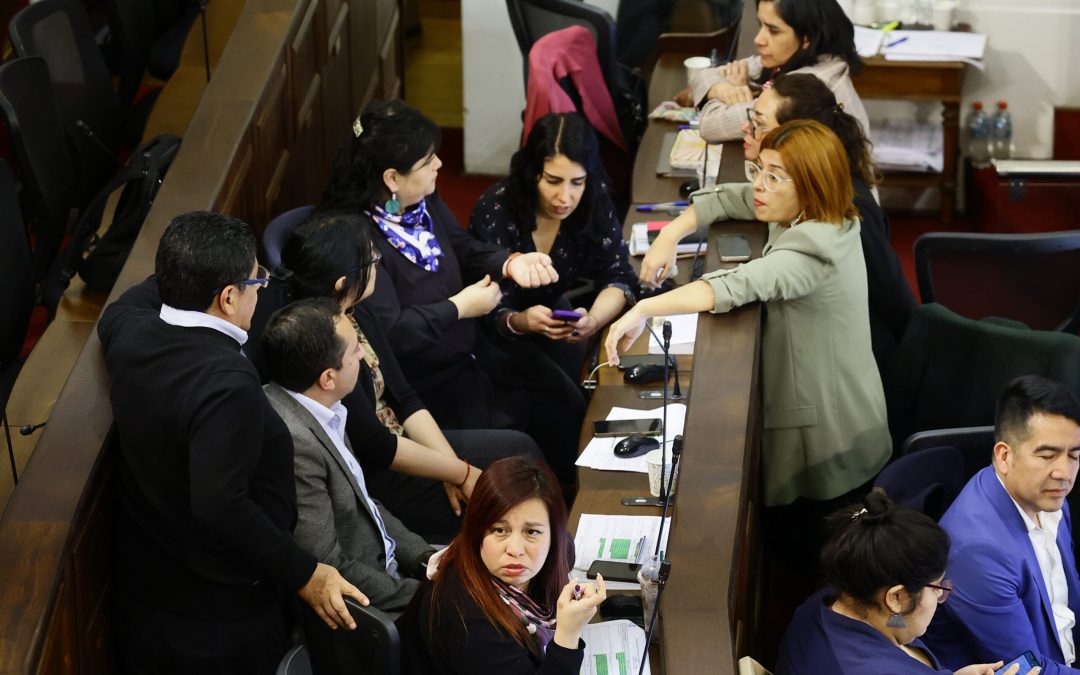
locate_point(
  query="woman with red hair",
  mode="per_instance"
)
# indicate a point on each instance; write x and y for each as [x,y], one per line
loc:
[497,599]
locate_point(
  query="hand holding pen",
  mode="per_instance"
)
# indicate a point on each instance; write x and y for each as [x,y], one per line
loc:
[576,607]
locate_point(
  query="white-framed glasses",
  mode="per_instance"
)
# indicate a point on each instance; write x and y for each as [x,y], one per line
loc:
[769,180]
[756,129]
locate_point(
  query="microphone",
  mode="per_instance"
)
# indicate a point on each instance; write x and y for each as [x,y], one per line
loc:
[677,393]
[661,583]
[30,428]
[85,129]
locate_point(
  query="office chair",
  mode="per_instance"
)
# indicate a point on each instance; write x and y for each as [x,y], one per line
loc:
[48,166]
[295,662]
[17,300]
[927,481]
[278,230]
[1031,278]
[974,442]
[374,648]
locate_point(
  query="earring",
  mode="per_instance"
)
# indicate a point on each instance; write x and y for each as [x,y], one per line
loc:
[896,620]
[392,205]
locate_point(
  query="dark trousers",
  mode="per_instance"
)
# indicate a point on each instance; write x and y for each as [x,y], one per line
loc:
[421,503]
[153,641]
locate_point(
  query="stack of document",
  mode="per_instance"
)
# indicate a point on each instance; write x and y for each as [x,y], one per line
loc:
[921,45]
[642,235]
[628,539]
[688,151]
[613,648]
[600,452]
[907,145]
[683,333]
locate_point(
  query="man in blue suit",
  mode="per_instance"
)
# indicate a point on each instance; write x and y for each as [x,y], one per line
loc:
[1012,561]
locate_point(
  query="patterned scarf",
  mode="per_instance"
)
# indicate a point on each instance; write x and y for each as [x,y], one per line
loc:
[411,233]
[539,623]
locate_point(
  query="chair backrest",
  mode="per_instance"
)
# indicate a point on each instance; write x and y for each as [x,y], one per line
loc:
[295,662]
[45,158]
[16,273]
[1031,278]
[59,31]
[278,230]
[533,19]
[927,481]
[975,443]
[374,648]
[131,29]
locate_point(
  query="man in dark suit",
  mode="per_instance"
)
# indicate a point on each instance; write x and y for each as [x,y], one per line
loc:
[205,500]
[1012,560]
[313,356]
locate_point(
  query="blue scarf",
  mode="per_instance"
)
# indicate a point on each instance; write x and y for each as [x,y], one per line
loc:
[411,233]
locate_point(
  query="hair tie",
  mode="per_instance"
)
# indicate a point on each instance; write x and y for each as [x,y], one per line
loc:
[357,127]
[837,110]
[855,516]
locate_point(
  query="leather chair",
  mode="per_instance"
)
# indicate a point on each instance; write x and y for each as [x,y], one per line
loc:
[1031,278]
[927,481]
[278,230]
[374,648]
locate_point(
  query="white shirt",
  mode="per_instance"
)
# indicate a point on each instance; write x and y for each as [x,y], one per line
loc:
[1043,536]
[186,318]
[332,420]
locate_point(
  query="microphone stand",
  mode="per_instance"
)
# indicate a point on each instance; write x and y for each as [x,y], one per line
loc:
[677,394]
[665,572]
[11,449]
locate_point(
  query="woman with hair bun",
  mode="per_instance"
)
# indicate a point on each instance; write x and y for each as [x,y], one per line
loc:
[885,573]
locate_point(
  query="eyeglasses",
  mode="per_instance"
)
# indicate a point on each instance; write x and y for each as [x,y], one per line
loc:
[946,588]
[769,180]
[755,127]
[376,257]
[262,280]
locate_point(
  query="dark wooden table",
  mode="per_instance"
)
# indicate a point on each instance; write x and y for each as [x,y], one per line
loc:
[709,607]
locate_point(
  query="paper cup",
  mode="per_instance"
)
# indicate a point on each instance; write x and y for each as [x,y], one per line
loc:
[694,64]
[652,459]
[943,15]
[888,10]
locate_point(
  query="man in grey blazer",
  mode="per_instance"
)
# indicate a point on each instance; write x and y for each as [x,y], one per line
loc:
[313,358]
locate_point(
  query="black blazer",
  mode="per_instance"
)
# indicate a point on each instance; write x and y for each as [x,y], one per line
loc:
[205,498]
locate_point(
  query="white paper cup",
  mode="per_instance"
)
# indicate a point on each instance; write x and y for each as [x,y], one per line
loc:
[888,10]
[865,13]
[943,15]
[694,64]
[652,459]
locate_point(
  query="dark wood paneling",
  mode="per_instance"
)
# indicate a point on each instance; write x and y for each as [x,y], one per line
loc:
[338,100]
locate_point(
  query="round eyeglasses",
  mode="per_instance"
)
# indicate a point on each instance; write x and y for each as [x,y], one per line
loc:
[755,128]
[769,180]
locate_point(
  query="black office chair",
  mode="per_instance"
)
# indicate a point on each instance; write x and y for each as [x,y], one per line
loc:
[173,20]
[1031,278]
[927,481]
[975,442]
[131,36]
[59,31]
[374,648]
[278,230]
[17,300]
[45,157]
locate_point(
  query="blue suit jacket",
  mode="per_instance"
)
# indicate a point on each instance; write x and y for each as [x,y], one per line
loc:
[1000,607]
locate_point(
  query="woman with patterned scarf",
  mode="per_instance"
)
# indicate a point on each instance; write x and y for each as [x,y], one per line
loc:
[497,599]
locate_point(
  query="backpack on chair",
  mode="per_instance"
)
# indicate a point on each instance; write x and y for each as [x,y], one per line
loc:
[98,258]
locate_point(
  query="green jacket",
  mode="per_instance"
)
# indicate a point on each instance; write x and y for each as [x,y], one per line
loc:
[826,431]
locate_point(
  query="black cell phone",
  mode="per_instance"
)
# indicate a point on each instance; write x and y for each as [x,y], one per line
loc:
[646,427]
[733,248]
[1026,660]
[631,360]
[614,571]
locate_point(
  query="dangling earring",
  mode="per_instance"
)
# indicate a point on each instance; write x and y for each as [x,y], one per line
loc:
[392,205]
[798,219]
[896,620]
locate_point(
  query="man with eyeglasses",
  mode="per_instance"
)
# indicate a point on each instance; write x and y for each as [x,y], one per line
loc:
[203,557]
[1012,559]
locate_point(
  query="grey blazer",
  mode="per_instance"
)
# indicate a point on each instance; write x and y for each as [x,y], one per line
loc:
[334,523]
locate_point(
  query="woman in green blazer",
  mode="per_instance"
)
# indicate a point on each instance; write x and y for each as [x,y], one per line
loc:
[825,424]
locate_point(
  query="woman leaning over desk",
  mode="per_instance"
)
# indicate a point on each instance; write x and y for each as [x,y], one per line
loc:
[497,599]
[885,570]
[824,409]
[805,36]
[555,201]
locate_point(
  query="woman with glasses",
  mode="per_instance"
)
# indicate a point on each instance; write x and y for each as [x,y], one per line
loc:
[885,573]
[422,474]
[804,36]
[824,408]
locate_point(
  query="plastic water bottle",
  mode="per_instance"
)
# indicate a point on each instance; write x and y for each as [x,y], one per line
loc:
[978,136]
[1001,132]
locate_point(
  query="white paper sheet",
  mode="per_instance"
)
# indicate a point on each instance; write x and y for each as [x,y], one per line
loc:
[934,45]
[600,452]
[606,537]
[613,648]
[683,333]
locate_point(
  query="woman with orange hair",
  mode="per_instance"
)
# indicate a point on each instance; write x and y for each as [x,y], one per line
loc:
[497,599]
[825,426]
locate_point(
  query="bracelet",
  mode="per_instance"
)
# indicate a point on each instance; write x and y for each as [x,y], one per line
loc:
[506,264]
[468,471]
[510,326]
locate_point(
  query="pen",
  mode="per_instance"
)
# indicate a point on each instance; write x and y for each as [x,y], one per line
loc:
[683,127]
[896,42]
[648,208]
[637,551]
[576,595]
[889,26]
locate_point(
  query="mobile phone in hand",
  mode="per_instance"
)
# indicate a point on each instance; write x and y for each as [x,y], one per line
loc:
[565,315]
[1026,660]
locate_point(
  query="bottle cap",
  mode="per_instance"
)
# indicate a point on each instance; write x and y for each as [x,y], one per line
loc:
[977,105]
[1002,105]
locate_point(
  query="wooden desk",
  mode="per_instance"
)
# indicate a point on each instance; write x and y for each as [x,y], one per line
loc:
[921,81]
[708,612]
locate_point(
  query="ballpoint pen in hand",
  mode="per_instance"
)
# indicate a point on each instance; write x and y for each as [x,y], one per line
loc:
[665,206]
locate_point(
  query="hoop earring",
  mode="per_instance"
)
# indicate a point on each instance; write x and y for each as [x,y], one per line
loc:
[392,205]
[896,620]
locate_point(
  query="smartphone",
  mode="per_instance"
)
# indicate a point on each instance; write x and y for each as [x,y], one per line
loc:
[733,248]
[646,427]
[631,360]
[1026,660]
[614,571]
[565,315]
